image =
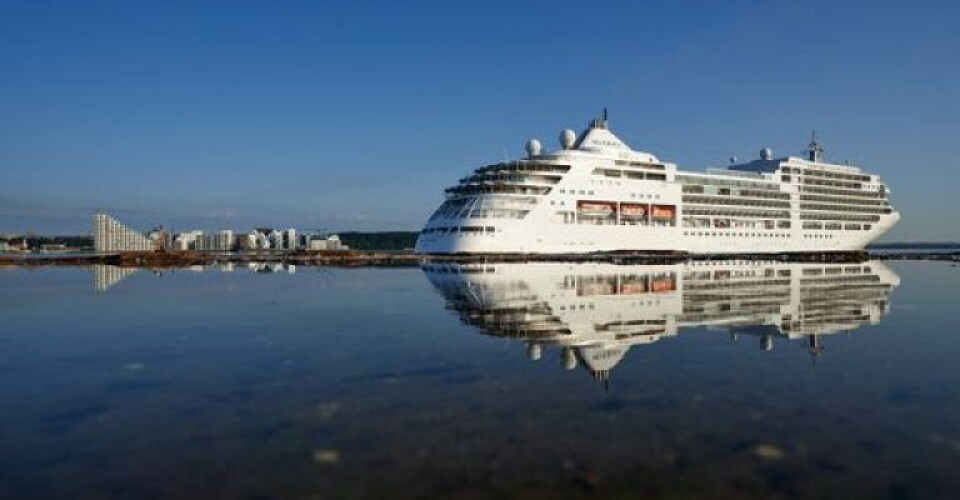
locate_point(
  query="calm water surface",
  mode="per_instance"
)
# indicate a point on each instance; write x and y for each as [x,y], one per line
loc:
[725,379]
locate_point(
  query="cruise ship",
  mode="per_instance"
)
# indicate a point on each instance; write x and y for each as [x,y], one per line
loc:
[595,312]
[596,194]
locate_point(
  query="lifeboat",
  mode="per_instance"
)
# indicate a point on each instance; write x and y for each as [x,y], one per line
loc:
[596,288]
[663,211]
[595,208]
[663,284]
[633,210]
[633,288]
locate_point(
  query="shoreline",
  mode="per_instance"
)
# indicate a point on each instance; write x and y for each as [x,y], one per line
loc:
[356,258]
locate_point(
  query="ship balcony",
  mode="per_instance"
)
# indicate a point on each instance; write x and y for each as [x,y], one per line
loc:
[525,166]
[858,193]
[719,200]
[497,188]
[511,178]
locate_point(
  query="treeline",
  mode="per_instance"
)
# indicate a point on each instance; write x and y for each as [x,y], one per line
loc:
[387,240]
[35,241]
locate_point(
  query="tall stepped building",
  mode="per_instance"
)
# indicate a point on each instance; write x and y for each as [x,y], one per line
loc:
[109,235]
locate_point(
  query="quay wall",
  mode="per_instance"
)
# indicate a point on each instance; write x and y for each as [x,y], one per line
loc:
[407,258]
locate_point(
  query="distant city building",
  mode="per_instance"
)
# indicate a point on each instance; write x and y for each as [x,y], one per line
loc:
[225,240]
[253,241]
[331,242]
[203,243]
[161,238]
[221,241]
[53,248]
[248,242]
[261,239]
[4,246]
[334,243]
[292,243]
[186,240]
[276,239]
[111,236]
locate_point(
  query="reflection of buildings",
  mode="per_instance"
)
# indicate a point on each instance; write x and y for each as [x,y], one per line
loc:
[272,267]
[596,311]
[105,277]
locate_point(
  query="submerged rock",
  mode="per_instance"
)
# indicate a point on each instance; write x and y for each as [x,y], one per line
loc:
[327,410]
[326,457]
[768,452]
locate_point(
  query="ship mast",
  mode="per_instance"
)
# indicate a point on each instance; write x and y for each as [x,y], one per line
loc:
[814,151]
[600,122]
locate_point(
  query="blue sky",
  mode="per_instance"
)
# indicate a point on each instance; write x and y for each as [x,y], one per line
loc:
[355,115]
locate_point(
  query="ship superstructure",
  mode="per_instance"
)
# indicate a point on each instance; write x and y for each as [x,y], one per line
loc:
[595,312]
[596,194]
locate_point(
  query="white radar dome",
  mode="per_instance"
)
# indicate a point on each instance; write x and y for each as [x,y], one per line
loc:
[533,147]
[766,153]
[567,138]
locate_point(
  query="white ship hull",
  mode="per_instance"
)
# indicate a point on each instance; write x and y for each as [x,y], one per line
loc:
[545,238]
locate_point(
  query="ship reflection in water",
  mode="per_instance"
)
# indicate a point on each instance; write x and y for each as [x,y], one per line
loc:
[594,313]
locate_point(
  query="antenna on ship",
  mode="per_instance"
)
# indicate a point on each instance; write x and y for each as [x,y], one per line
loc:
[814,151]
[600,122]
